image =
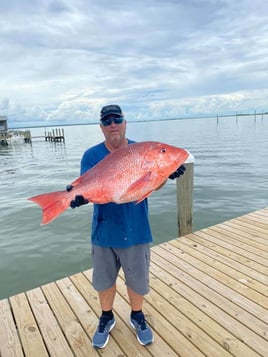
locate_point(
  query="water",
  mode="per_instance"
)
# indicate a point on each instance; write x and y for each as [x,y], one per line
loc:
[231,179]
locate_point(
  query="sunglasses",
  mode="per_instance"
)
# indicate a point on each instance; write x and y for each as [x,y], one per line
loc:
[108,121]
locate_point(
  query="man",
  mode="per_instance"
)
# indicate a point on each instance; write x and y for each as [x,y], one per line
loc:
[120,237]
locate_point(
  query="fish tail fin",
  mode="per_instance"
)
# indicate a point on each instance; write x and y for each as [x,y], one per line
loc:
[52,204]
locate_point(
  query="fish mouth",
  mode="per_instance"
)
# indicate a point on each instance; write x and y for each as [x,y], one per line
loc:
[190,158]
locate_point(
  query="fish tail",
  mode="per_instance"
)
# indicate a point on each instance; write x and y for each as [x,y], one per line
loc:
[52,204]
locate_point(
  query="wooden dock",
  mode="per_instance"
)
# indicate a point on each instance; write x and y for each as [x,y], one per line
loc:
[55,135]
[209,297]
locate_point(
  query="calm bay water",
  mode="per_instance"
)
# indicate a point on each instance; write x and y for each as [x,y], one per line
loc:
[231,179]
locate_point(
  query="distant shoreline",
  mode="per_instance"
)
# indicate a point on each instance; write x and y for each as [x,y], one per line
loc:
[217,116]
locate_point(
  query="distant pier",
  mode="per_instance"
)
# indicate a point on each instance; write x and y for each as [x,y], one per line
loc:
[55,135]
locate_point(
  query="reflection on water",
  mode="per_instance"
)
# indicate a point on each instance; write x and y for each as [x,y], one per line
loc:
[231,176]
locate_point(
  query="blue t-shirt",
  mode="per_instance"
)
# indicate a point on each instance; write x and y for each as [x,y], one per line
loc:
[116,225]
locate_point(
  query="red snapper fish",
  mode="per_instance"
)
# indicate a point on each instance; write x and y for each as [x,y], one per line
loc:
[129,174]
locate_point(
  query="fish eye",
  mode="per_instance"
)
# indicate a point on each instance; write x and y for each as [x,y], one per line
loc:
[163,150]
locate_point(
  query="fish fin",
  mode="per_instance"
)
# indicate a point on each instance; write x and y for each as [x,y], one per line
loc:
[143,197]
[77,181]
[138,185]
[52,204]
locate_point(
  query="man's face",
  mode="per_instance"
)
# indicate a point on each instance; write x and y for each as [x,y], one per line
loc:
[115,131]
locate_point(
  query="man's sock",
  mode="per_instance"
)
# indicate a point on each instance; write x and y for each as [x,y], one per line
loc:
[109,314]
[134,313]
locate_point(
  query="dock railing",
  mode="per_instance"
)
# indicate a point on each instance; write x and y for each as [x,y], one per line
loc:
[185,185]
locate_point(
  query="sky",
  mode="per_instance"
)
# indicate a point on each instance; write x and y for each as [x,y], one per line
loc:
[62,60]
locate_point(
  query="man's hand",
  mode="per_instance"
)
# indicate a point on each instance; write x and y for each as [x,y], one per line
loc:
[180,171]
[78,201]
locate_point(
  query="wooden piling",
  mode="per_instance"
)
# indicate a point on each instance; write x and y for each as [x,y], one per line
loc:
[27,136]
[185,198]
[3,139]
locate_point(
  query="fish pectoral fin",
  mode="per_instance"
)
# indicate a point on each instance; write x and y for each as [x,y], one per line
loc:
[139,185]
[76,182]
[143,197]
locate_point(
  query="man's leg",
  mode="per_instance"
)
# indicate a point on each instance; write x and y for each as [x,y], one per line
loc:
[137,318]
[107,298]
[136,268]
[136,300]
[105,270]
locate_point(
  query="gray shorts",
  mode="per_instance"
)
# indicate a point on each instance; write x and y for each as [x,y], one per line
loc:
[135,262]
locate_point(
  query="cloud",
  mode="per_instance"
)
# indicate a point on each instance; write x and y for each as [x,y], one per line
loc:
[62,60]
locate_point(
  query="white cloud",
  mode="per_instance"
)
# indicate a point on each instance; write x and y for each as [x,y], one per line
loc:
[62,60]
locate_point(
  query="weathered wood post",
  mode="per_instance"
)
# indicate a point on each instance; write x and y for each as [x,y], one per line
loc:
[185,185]
[27,136]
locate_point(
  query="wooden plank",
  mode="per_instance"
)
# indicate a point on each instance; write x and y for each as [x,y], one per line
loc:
[229,235]
[245,257]
[258,217]
[250,233]
[261,227]
[80,307]
[227,279]
[245,232]
[170,291]
[246,224]
[234,319]
[231,244]
[262,213]
[229,268]
[259,270]
[9,339]
[251,222]
[186,274]
[255,309]
[49,327]
[196,244]
[31,339]
[71,327]
[248,230]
